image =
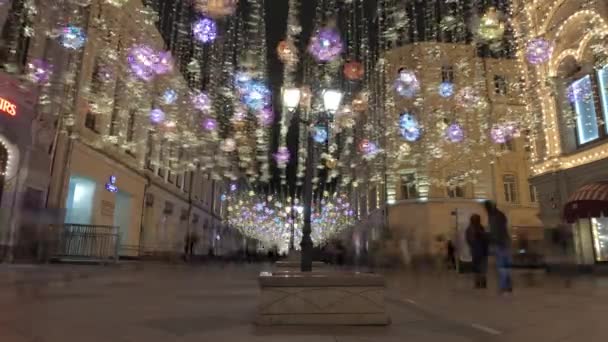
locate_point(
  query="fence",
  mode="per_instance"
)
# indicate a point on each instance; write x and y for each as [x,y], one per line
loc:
[86,242]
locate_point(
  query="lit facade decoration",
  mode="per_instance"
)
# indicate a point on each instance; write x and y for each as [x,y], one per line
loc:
[491,26]
[72,37]
[326,44]
[539,51]
[204,30]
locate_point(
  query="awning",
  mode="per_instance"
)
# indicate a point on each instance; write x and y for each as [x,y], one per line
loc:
[590,200]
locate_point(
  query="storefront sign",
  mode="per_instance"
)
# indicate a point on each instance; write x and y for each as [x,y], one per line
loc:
[8,107]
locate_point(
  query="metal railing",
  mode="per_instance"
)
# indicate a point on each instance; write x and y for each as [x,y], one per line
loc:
[87,242]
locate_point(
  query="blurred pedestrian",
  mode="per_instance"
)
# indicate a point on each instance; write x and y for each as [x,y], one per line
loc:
[451,255]
[477,239]
[501,242]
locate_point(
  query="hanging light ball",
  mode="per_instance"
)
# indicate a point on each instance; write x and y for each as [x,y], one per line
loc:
[209,124]
[164,63]
[368,148]
[256,95]
[287,52]
[407,84]
[512,129]
[169,96]
[200,101]
[446,89]
[157,115]
[282,156]
[216,8]
[204,30]
[410,128]
[72,37]
[539,51]
[325,45]
[228,145]
[354,71]
[265,117]
[499,134]
[454,133]
[39,71]
[491,27]
[467,97]
[361,102]
[320,134]
[142,61]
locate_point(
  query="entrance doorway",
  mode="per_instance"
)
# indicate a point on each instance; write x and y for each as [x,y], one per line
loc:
[3,165]
[122,218]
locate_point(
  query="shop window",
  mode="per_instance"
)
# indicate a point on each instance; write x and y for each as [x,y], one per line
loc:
[500,85]
[80,200]
[599,228]
[533,194]
[408,187]
[447,73]
[510,188]
[581,94]
[602,76]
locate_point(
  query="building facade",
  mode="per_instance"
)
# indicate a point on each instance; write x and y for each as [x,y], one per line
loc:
[107,163]
[569,92]
[434,186]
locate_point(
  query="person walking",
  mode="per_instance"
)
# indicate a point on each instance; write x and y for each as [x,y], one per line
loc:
[501,242]
[451,255]
[477,239]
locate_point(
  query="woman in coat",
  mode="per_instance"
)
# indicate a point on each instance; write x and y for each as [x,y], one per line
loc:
[477,239]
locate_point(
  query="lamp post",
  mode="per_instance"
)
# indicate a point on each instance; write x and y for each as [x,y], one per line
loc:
[331,102]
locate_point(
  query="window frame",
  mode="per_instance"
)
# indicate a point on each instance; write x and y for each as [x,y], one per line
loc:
[511,196]
[447,73]
[599,113]
[501,85]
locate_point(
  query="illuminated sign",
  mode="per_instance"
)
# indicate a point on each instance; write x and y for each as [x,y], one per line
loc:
[8,107]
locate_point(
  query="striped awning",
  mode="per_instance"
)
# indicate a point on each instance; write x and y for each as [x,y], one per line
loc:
[590,200]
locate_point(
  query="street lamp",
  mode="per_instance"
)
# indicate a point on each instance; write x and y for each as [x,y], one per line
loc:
[331,100]
[291,98]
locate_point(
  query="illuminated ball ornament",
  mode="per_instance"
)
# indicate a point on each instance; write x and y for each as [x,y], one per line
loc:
[39,71]
[539,51]
[142,61]
[454,133]
[169,96]
[287,52]
[319,134]
[354,71]
[205,30]
[200,101]
[491,27]
[164,63]
[72,37]
[157,115]
[325,45]
[410,127]
[228,145]
[446,89]
[499,134]
[407,84]
[282,156]
[265,117]
[256,95]
[209,124]
[216,8]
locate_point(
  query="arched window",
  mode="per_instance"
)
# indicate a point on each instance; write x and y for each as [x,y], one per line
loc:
[588,96]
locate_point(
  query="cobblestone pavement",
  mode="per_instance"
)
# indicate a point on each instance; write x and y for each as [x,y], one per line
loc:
[155,302]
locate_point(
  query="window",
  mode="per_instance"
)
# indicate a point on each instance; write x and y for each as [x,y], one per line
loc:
[602,76]
[149,149]
[90,122]
[14,40]
[455,191]
[447,73]
[599,228]
[408,187]
[510,188]
[114,119]
[131,125]
[500,85]
[581,95]
[533,194]
[508,145]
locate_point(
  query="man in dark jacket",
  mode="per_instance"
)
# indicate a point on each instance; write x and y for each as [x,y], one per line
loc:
[501,240]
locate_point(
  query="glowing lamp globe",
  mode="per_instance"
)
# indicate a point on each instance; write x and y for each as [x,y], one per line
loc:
[287,52]
[407,84]
[446,89]
[539,51]
[491,27]
[319,134]
[209,124]
[157,115]
[39,71]
[169,96]
[256,95]
[410,128]
[265,117]
[454,133]
[498,134]
[282,156]
[216,8]
[164,63]
[200,101]
[332,99]
[228,145]
[325,45]
[291,98]
[353,71]
[204,30]
[142,61]
[72,37]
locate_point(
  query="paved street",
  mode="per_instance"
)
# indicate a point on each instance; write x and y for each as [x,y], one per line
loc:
[156,302]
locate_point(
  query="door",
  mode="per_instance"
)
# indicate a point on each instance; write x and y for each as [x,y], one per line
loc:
[122,218]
